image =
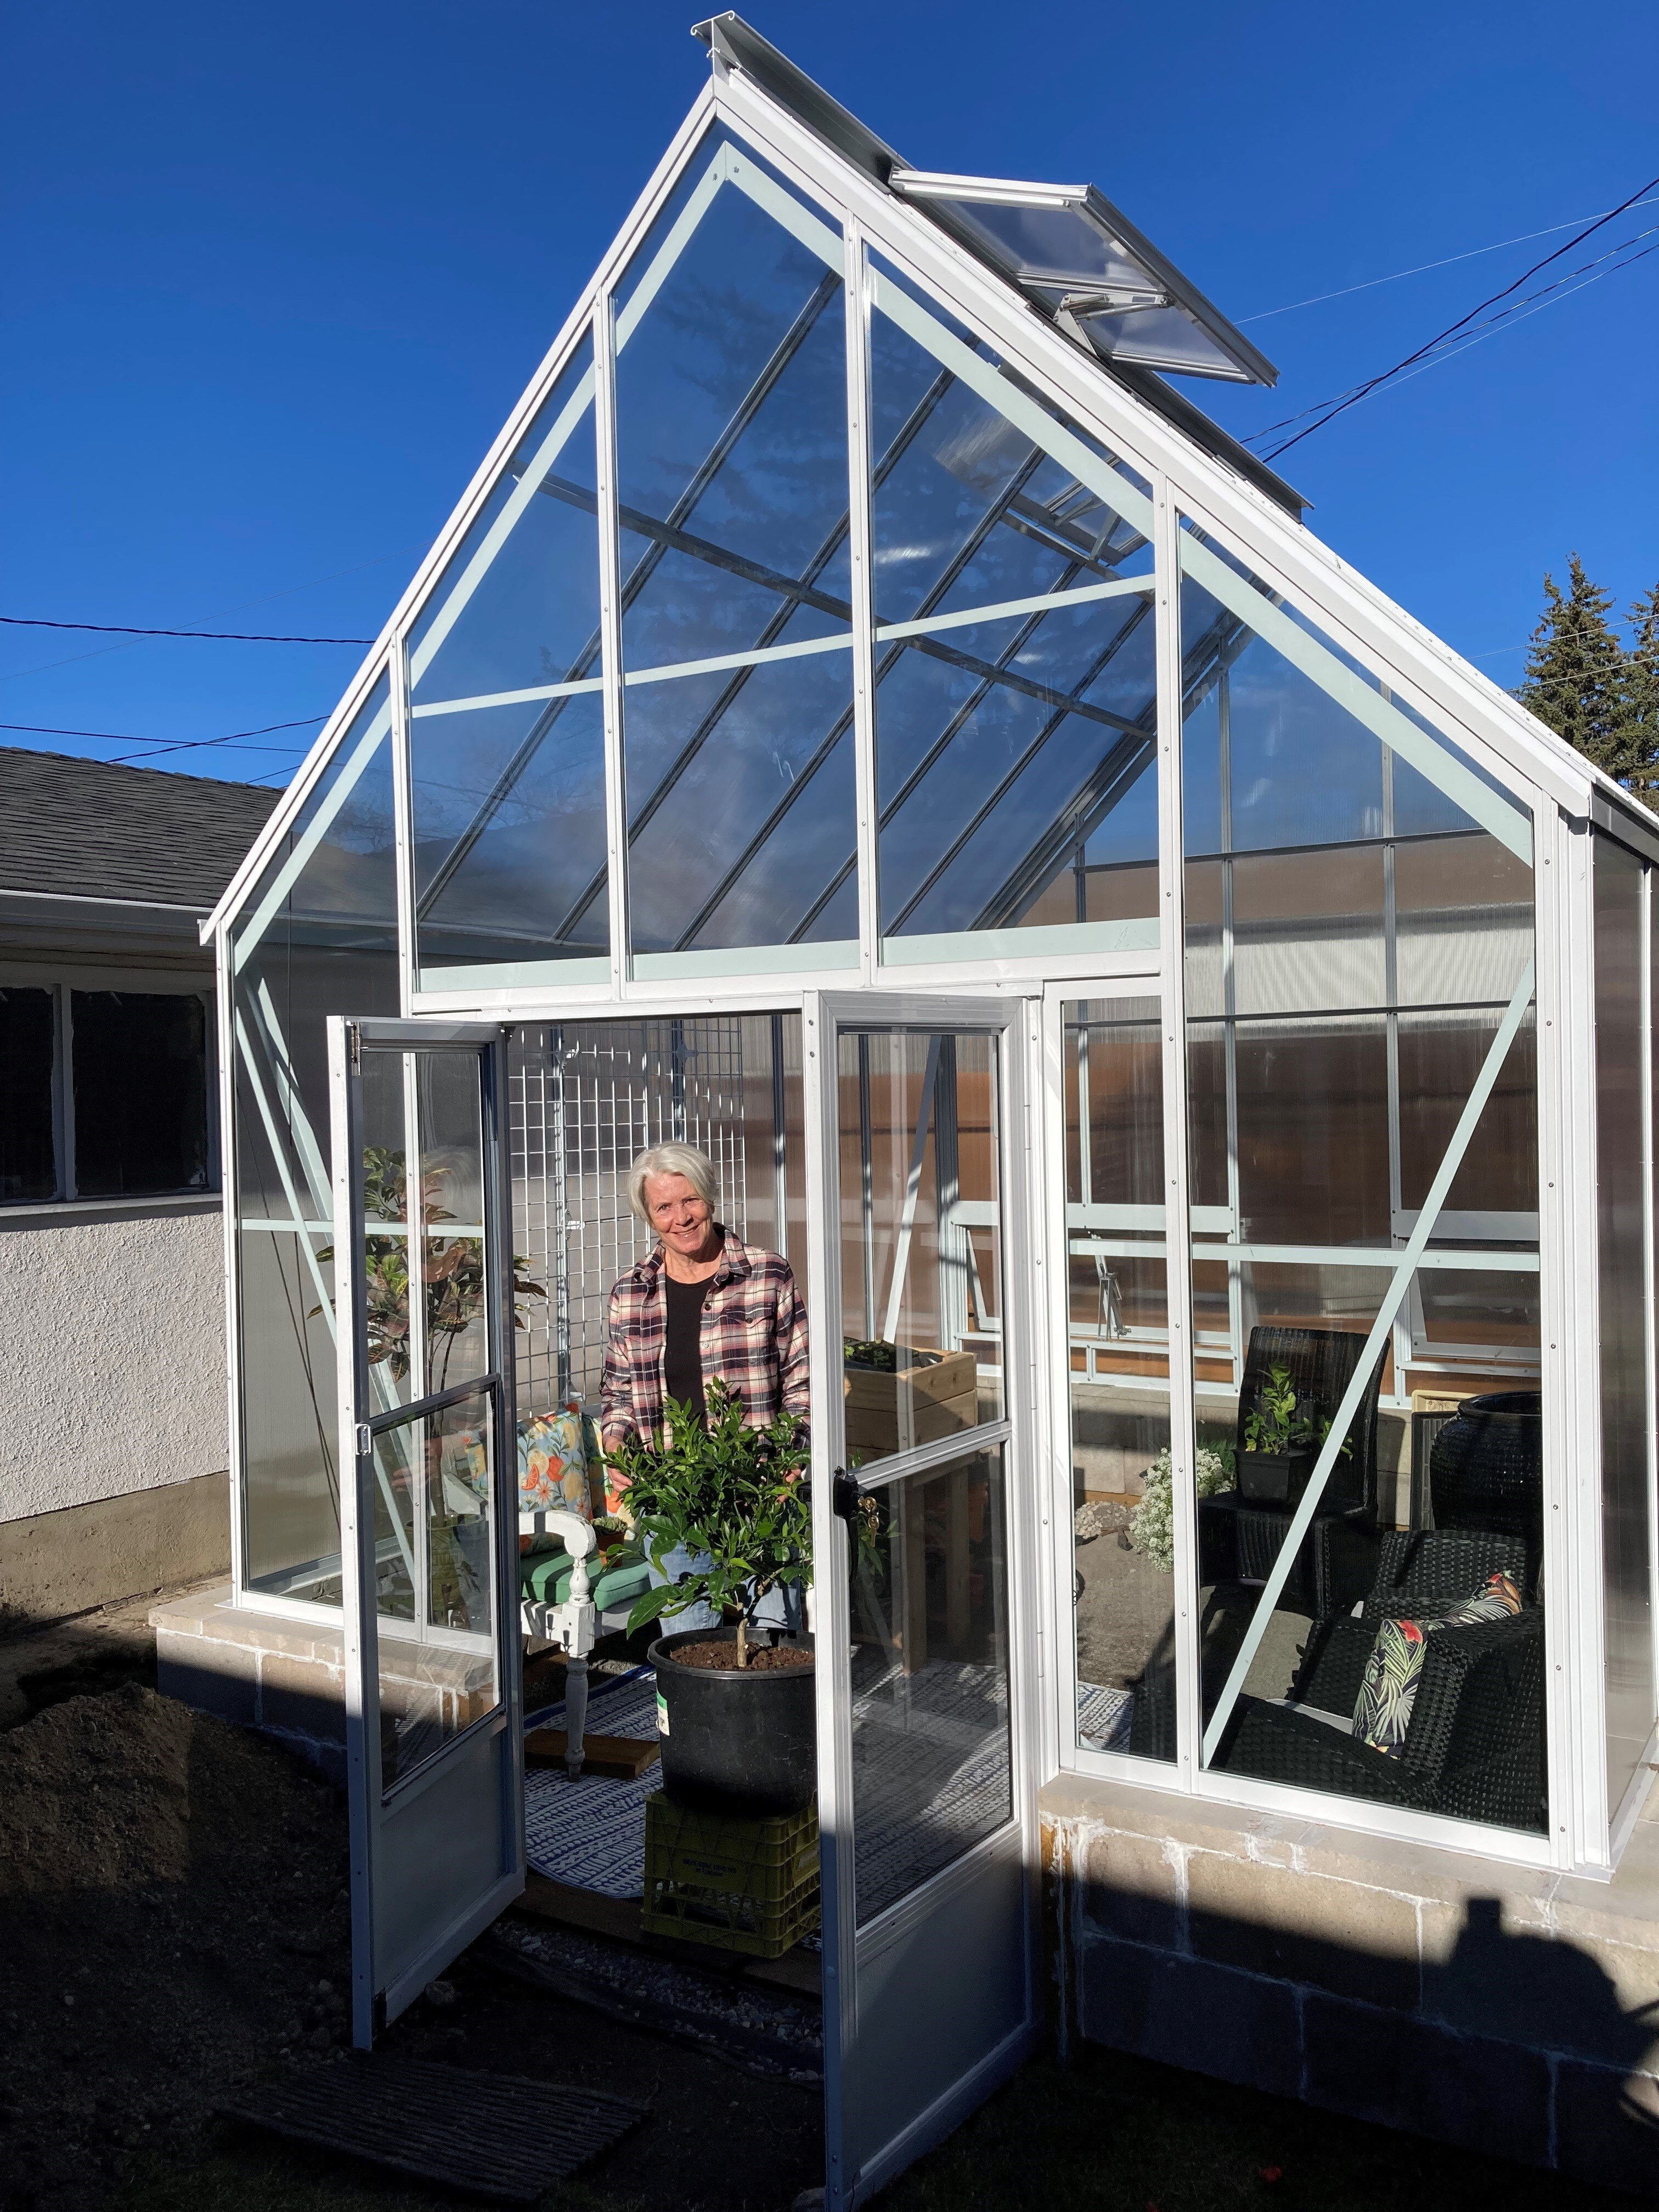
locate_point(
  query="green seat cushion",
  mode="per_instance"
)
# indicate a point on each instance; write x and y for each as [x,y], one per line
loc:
[546,1577]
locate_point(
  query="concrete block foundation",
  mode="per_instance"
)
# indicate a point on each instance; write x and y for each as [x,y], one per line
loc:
[1495,2007]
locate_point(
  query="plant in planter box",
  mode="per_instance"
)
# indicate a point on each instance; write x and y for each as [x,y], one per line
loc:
[730,1494]
[1281,1437]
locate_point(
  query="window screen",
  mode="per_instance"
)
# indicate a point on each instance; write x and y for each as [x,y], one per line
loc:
[28,1164]
[140,1062]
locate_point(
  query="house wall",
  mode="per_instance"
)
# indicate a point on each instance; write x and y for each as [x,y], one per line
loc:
[112,1325]
[1490,2005]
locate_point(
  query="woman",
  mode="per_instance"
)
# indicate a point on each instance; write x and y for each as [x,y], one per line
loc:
[702,1305]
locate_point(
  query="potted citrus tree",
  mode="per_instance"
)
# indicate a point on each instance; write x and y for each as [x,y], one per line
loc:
[734,1708]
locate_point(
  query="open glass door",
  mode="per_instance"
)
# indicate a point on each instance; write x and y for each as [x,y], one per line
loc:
[427,1521]
[921,1420]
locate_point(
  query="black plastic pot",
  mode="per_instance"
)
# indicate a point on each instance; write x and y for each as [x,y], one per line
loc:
[734,1739]
[1486,1469]
[1273,1478]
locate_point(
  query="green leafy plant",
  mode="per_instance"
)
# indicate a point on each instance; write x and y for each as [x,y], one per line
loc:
[1152,1525]
[858,1351]
[455,1268]
[730,1494]
[1274,1424]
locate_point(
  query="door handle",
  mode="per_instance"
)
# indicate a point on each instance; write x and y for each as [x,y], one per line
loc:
[844,1493]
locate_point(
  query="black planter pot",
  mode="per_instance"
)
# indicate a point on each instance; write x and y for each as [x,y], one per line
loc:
[734,1739]
[1273,1478]
[1486,1469]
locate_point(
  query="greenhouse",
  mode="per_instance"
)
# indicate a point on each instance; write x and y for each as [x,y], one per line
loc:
[1189,1034]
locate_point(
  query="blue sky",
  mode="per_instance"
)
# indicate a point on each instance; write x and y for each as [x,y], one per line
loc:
[274,277]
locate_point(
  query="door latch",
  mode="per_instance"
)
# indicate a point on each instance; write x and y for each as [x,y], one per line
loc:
[844,1493]
[365,1440]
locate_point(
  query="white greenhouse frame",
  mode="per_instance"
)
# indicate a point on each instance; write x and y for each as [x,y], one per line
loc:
[1551,799]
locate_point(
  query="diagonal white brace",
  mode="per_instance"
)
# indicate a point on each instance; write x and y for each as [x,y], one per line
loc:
[1398,1283]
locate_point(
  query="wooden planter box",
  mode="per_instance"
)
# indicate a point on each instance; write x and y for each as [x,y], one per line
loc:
[931,1395]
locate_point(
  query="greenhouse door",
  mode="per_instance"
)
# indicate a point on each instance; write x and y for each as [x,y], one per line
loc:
[434,1748]
[922,1371]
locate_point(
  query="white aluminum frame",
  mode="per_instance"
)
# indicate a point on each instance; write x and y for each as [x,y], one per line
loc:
[1545,780]
[1019,1435]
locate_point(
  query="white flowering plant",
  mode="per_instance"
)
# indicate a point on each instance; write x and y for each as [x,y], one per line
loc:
[1152,1525]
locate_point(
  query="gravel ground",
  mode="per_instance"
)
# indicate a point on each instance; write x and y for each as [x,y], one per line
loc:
[720,2013]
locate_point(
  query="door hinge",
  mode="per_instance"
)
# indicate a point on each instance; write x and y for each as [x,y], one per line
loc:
[365,1440]
[354,1044]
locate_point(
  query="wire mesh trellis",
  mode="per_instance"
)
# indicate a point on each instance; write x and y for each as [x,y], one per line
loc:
[585,1098]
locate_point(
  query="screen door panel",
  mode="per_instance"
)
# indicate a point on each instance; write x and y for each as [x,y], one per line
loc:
[429,1517]
[928,1812]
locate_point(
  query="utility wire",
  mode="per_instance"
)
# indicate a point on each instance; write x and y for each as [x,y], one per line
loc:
[1362,390]
[1531,303]
[1394,276]
[184,745]
[128,629]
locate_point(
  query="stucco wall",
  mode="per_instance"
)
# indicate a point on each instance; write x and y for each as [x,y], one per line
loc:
[112,1351]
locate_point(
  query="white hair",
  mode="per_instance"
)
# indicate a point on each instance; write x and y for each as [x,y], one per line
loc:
[677,1160]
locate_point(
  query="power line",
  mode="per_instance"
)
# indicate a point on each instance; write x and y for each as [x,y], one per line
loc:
[1423,267]
[129,629]
[184,745]
[1531,303]
[1362,390]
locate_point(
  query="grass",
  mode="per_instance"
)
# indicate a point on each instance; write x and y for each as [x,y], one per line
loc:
[1107,2134]
[1115,2134]
[232,2169]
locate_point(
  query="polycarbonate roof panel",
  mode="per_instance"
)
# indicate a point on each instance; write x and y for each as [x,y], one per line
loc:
[1070,249]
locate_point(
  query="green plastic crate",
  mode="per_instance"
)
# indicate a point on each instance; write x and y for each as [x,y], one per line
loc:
[749,1886]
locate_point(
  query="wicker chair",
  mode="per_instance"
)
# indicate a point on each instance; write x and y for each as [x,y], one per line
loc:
[1475,1745]
[1239,1540]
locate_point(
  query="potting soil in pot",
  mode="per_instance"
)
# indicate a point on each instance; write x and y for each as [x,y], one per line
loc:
[763,1659]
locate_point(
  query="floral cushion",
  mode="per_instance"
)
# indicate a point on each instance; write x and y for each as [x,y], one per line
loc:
[559,1467]
[1393,1673]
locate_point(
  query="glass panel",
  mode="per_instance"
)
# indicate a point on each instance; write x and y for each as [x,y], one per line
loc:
[318,936]
[586,1098]
[1014,750]
[921,1237]
[1627,1500]
[731,462]
[741,839]
[141,1089]
[395,1361]
[437,1659]
[933,1767]
[29,1152]
[1348,988]
[1440,1056]
[455,1239]
[1123,1557]
[507,758]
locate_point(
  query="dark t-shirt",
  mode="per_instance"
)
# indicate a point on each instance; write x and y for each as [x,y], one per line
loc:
[682,1348]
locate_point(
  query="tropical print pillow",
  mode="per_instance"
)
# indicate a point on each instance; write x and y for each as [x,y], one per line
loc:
[559,1467]
[1393,1673]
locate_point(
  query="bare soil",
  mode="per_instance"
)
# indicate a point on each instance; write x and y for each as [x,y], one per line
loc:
[173,1917]
[721,1656]
[174,1923]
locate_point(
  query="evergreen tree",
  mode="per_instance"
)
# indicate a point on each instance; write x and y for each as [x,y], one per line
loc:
[1641,703]
[1575,674]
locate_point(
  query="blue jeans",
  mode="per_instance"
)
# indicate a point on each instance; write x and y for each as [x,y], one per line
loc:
[779,1608]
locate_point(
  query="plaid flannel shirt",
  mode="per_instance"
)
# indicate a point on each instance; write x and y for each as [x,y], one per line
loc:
[753,1338]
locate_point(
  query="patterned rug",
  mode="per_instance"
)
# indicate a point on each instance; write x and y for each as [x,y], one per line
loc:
[930,1769]
[1103,1718]
[590,1832]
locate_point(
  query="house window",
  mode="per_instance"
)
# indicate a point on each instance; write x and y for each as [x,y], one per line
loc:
[103,1093]
[28,1166]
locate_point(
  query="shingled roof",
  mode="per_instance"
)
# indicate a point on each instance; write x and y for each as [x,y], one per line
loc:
[83,828]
